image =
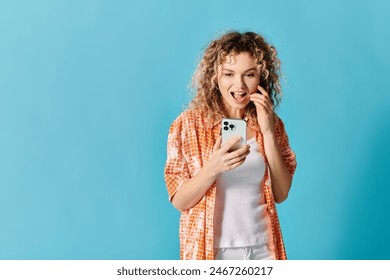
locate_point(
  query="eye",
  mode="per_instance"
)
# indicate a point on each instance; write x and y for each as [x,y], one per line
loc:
[228,74]
[250,75]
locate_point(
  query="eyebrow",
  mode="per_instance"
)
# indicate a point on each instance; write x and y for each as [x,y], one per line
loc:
[230,70]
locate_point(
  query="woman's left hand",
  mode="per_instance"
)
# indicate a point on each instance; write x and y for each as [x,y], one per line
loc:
[264,109]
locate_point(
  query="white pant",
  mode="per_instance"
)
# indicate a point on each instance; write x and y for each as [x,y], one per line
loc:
[257,252]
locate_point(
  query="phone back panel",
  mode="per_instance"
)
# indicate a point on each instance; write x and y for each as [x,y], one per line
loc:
[231,128]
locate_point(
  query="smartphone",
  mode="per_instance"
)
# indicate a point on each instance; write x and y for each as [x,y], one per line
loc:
[231,128]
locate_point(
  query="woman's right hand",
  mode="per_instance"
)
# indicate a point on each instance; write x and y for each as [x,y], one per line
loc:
[222,160]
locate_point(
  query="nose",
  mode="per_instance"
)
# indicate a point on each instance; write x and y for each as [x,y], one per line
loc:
[240,82]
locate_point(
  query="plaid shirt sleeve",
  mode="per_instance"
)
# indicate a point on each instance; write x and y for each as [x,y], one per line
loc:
[288,154]
[176,168]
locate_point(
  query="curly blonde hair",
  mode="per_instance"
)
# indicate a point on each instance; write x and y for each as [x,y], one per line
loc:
[205,79]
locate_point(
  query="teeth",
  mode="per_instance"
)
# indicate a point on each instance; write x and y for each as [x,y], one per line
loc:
[239,93]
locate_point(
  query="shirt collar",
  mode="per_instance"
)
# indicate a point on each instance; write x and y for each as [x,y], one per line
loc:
[217,121]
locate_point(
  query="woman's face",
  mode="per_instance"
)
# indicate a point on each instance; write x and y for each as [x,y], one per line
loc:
[237,79]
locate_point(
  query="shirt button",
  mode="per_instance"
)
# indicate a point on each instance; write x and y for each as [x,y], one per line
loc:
[272,210]
[267,182]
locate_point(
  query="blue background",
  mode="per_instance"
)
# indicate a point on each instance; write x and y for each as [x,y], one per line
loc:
[88,90]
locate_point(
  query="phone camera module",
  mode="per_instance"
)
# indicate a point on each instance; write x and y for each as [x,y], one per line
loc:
[226,128]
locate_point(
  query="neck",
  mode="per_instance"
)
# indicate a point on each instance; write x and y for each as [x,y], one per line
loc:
[235,113]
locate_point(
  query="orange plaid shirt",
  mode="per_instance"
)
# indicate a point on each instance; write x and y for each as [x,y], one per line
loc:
[190,144]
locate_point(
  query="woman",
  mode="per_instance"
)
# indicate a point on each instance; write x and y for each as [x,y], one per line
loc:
[227,199]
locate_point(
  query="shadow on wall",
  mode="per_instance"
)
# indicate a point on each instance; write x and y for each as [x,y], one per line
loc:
[367,217]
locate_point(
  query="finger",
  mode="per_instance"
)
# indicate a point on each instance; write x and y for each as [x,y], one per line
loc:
[237,159]
[259,97]
[242,152]
[217,144]
[263,91]
[263,105]
[268,105]
[230,143]
[233,166]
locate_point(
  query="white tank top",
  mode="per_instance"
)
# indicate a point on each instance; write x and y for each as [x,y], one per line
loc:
[240,215]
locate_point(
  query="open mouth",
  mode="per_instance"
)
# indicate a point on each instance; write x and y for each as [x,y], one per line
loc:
[238,96]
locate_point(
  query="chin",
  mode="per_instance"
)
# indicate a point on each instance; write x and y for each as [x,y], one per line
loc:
[239,106]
